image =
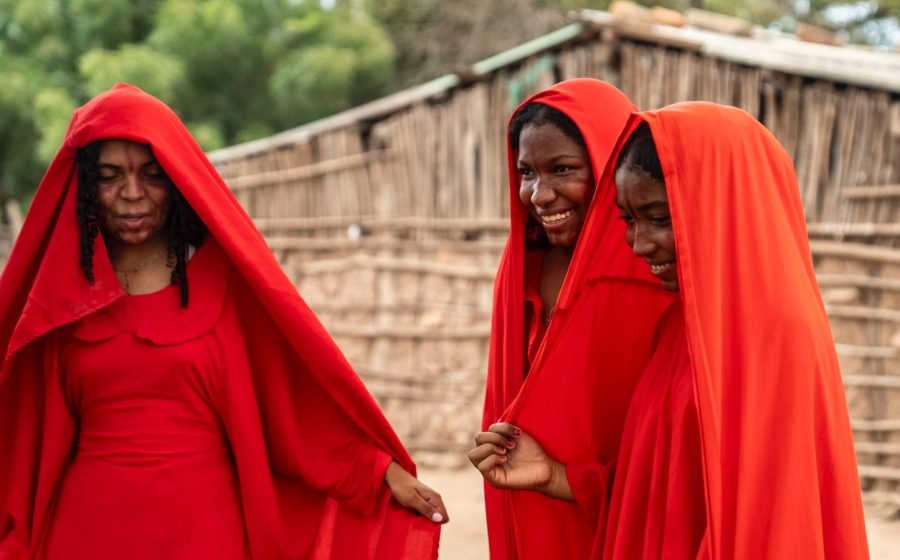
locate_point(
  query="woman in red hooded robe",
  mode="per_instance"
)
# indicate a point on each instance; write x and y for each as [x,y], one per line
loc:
[737,442]
[572,322]
[164,391]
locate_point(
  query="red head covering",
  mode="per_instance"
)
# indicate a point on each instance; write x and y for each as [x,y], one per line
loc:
[43,288]
[778,464]
[577,390]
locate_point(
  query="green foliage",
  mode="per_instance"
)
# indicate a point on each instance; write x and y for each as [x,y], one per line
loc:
[101,23]
[328,53]
[159,74]
[222,57]
[309,82]
[235,70]
[864,21]
[207,134]
[432,37]
[762,12]
[871,22]
[52,109]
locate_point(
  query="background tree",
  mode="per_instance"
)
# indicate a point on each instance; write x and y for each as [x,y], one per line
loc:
[433,37]
[872,22]
[236,70]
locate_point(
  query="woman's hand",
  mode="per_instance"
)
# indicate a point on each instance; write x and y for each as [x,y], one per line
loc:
[413,494]
[508,458]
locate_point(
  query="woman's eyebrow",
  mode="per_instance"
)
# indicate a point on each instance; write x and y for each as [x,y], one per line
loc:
[556,158]
[653,205]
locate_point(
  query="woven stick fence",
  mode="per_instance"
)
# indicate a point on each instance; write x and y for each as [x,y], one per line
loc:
[391,217]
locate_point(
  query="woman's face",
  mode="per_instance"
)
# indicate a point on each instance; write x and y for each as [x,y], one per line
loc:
[644,206]
[557,182]
[133,192]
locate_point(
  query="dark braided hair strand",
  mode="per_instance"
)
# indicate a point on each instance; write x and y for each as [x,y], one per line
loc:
[88,204]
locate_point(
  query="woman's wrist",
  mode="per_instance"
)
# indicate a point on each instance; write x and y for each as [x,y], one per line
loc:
[558,485]
[393,473]
[415,495]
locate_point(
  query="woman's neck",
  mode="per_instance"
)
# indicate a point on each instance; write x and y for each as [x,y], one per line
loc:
[143,268]
[127,256]
[553,273]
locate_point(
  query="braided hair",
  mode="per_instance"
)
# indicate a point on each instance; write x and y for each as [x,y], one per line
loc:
[538,114]
[183,226]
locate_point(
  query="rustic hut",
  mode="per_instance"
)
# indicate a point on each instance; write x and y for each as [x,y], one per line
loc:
[391,216]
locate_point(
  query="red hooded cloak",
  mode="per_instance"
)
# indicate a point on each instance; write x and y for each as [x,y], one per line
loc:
[737,442]
[294,391]
[574,398]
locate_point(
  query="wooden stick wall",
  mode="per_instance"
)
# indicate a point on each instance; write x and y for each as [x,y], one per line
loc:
[392,227]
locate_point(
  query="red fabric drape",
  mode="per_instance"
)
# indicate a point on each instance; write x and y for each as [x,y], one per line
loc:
[658,507]
[576,392]
[43,288]
[776,449]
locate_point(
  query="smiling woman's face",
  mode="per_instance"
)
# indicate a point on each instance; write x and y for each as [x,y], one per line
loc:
[133,192]
[644,206]
[557,182]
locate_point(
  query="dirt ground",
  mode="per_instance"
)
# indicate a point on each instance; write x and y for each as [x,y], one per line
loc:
[464,537]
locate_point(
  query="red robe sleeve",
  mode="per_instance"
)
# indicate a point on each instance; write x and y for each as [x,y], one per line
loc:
[38,439]
[307,435]
[590,483]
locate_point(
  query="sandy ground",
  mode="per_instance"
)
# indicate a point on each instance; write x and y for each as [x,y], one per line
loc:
[464,537]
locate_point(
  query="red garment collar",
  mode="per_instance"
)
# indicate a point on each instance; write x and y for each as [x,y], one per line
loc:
[209,271]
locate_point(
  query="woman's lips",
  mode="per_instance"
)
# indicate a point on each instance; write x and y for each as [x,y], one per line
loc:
[660,269]
[551,220]
[133,221]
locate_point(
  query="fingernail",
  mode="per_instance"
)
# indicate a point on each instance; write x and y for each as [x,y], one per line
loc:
[510,443]
[517,431]
[437,517]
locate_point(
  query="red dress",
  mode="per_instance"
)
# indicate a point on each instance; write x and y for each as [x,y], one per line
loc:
[152,475]
[151,445]
[658,508]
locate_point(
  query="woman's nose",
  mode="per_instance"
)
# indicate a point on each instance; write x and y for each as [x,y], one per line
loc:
[642,246]
[132,189]
[543,193]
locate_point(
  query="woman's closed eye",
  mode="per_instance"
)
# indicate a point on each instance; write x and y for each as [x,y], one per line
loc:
[154,176]
[154,171]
